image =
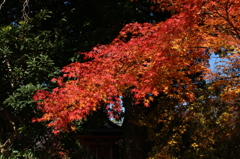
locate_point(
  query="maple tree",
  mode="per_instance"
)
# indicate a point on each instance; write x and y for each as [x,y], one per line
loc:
[145,59]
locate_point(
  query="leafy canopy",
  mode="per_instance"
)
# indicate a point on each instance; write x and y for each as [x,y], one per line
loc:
[146,60]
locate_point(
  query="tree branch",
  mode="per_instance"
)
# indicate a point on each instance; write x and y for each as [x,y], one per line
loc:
[25,11]
[2,4]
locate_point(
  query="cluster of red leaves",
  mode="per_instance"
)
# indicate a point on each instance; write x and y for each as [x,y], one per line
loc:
[157,58]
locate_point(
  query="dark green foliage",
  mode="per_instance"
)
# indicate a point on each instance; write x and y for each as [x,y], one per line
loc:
[25,65]
[22,97]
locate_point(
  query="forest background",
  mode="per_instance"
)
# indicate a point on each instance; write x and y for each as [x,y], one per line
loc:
[192,112]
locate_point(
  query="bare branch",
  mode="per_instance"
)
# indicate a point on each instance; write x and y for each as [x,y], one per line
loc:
[2,4]
[25,10]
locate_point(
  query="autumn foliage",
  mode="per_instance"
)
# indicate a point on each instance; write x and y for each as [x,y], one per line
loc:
[145,60]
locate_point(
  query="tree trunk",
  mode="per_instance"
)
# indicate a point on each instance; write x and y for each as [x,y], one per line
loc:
[134,136]
[11,135]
